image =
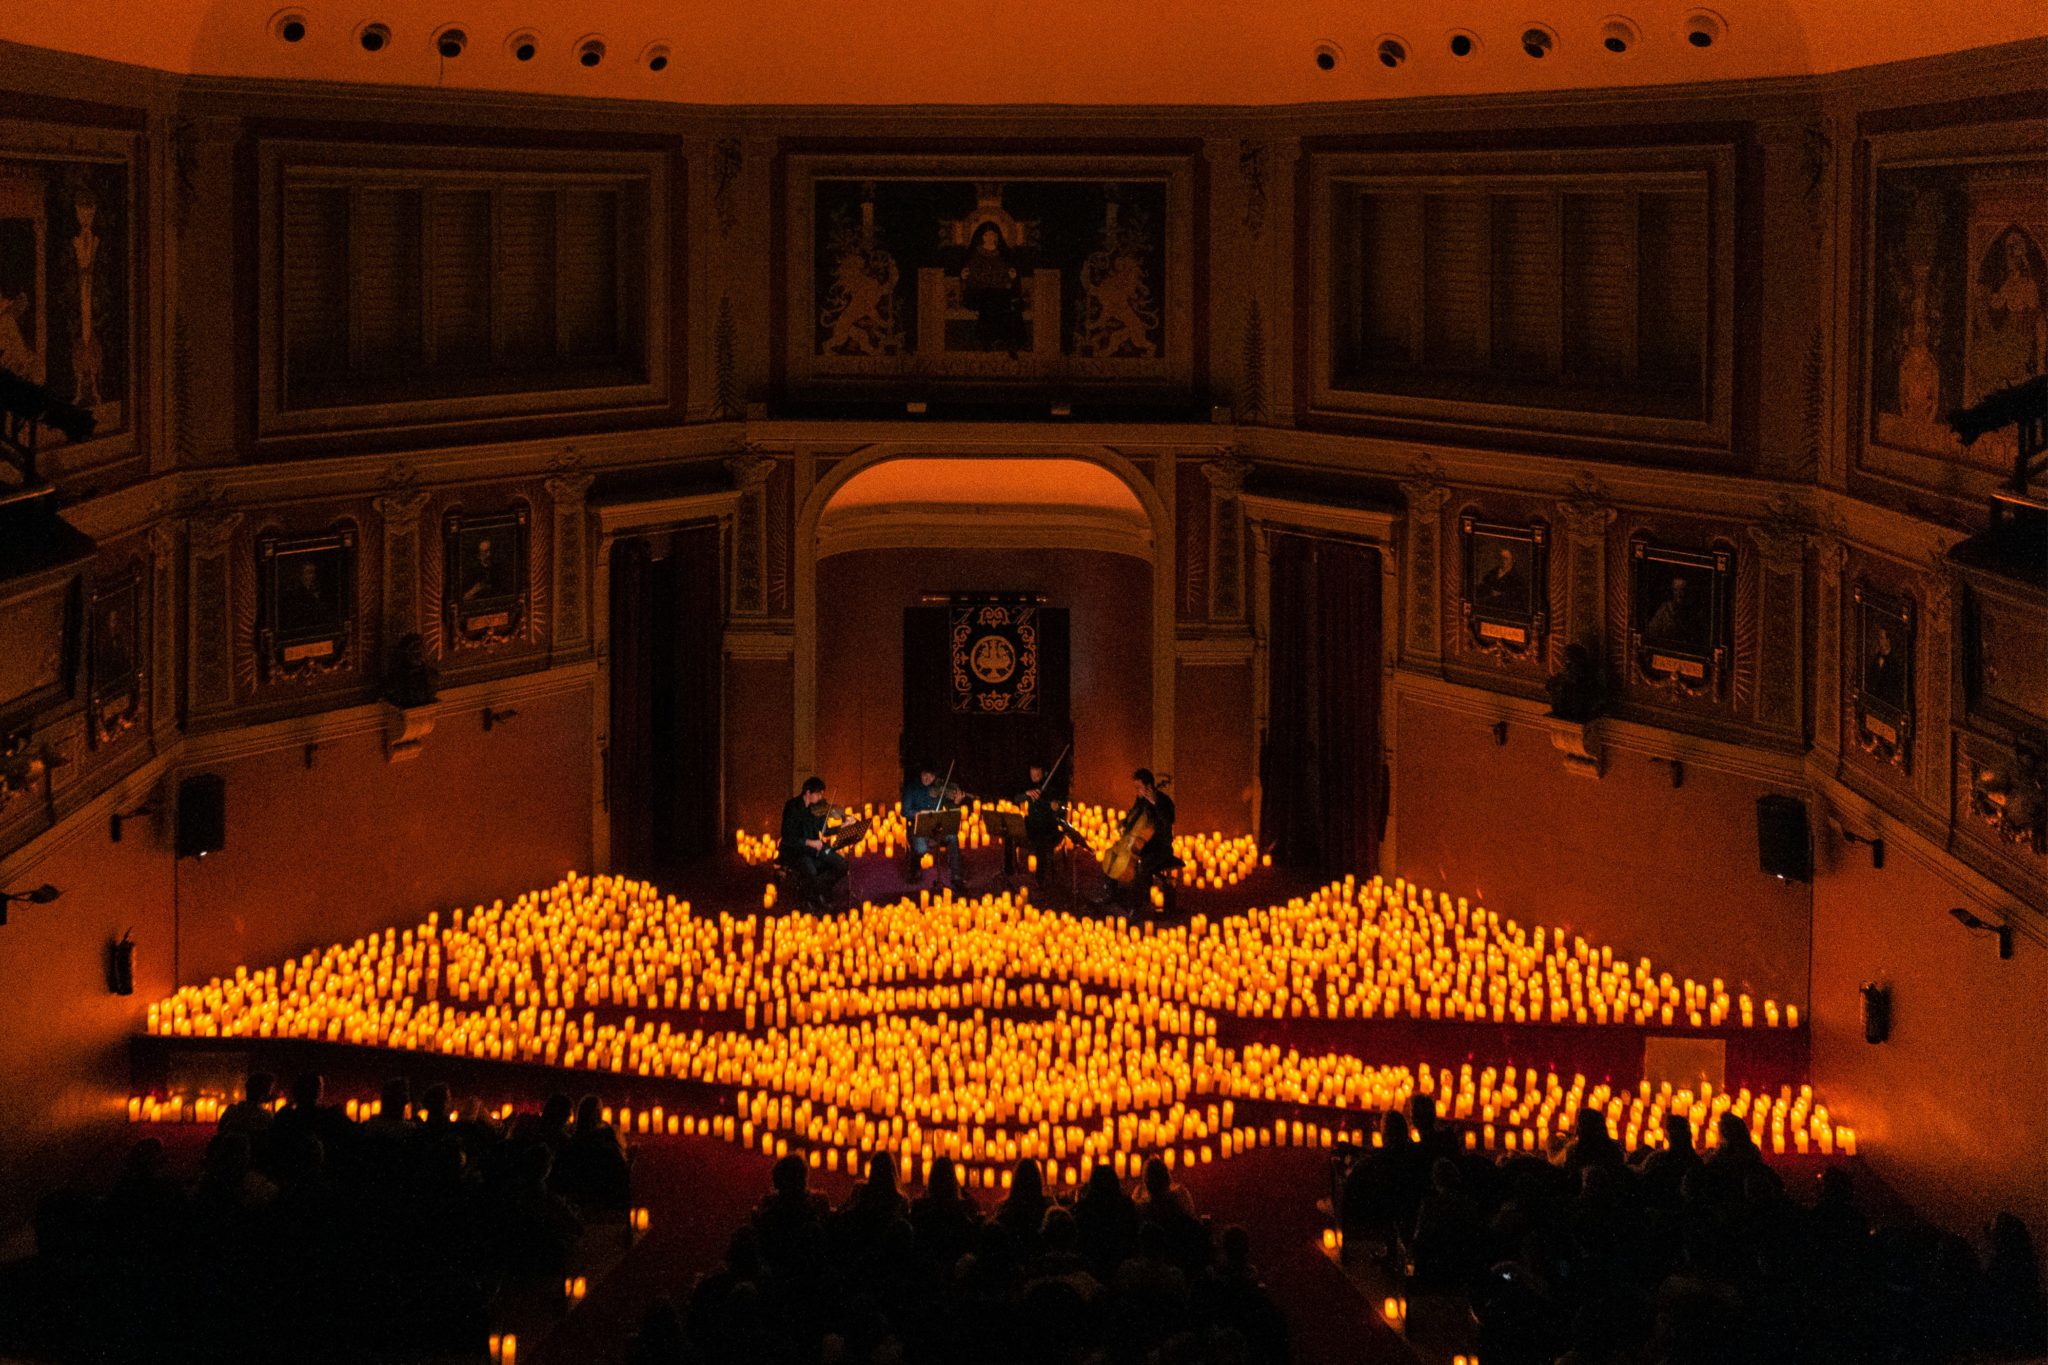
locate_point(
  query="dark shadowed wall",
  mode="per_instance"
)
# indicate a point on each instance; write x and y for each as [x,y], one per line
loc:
[1627,860]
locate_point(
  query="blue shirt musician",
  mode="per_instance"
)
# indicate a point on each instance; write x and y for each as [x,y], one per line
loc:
[925,794]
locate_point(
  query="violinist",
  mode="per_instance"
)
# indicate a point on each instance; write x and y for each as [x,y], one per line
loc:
[928,793]
[804,849]
[1150,808]
[1043,806]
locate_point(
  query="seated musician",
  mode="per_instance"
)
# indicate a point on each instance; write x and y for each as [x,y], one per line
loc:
[923,795]
[1156,854]
[1042,808]
[803,847]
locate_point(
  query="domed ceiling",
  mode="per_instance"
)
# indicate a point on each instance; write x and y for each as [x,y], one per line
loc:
[1014,52]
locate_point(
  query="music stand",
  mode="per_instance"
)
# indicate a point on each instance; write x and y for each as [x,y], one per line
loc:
[849,833]
[936,826]
[1008,825]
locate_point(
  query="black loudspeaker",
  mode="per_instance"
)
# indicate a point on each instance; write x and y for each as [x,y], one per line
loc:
[1877,1012]
[1784,844]
[202,815]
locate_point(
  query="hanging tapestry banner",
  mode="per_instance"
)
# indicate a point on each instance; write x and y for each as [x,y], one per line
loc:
[994,656]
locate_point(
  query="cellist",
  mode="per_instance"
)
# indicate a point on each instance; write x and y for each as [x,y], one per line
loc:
[1152,806]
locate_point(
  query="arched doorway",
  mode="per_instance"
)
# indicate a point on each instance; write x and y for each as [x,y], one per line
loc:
[890,534]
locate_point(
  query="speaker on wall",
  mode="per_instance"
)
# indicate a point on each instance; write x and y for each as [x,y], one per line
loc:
[202,815]
[1784,844]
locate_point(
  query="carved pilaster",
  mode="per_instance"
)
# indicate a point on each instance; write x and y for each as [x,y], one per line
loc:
[1780,540]
[1831,556]
[570,491]
[163,597]
[750,473]
[400,512]
[1583,519]
[1226,478]
[210,547]
[1426,493]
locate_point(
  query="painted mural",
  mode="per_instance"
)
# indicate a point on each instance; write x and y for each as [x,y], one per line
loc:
[1958,286]
[990,278]
[64,282]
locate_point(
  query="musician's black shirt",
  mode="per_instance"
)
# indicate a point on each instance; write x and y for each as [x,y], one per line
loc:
[1159,847]
[799,823]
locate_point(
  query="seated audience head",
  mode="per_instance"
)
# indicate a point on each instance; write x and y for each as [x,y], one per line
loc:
[1423,1115]
[1058,1229]
[393,1098]
[790,1176]
[259,1088]
[882,1173]
[558,1110]
[1237,1247]
[1393,1129]
[307,1088]
[1158,1180]
[589,1114]
[1102,1182]
[1734,1133]
[945,1180]
[1592,1126]
[1678,1132]
[1027,1181]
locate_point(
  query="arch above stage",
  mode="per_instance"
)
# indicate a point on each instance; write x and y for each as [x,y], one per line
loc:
[995,502]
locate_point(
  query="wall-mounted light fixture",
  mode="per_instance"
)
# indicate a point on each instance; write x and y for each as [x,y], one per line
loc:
[494,718]
[41,895]
[120,817]
[1874,842]
[1979,926]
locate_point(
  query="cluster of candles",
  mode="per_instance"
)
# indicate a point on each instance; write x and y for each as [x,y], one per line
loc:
[986,1030]
[503,981]
[1213,860]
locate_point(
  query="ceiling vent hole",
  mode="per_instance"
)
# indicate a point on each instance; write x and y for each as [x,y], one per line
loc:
[1327,55]
[289,26]
[523,45]
[1618,36]
[450,42]
[374,37]
[590,51]
[655,58]
[1704,28]
[1392,52]
[1463,45]
[1538,42]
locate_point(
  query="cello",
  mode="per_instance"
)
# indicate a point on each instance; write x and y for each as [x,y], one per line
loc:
[1121,861]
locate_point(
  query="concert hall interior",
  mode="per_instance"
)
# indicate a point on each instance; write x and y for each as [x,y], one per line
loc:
[1206,684]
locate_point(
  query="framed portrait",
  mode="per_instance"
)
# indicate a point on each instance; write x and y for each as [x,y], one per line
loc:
[1505,600]
[2005,658]
[307,619]
[1881,682]
[486,593]
[38,642]
[114,668]
[1678,616]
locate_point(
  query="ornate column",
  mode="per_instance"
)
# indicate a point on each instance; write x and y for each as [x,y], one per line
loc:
[1583,519]
[210,646]
[750,471]
[569,490]
[1226,478]
[1831,557]
[1934,768]
[163,613]
[1781,614]
[1262,657]
[399,510]
[1426,493]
